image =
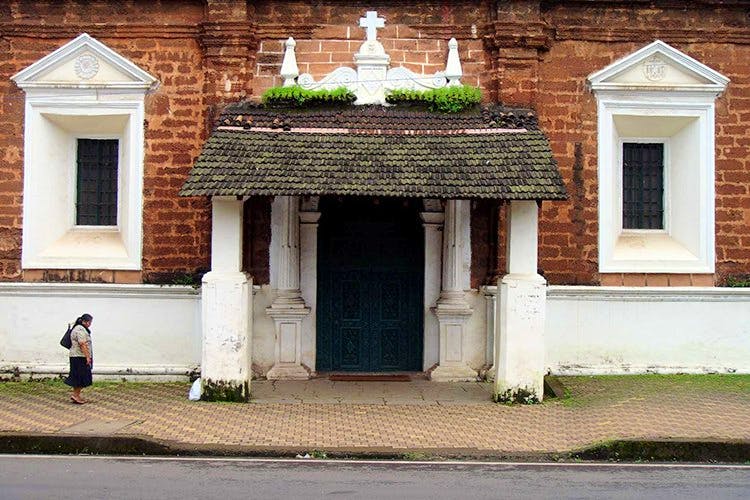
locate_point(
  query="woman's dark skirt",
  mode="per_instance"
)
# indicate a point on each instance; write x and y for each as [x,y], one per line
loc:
[80,373]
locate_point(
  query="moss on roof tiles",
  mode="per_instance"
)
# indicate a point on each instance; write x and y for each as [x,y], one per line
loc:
[514,165]
[380,157]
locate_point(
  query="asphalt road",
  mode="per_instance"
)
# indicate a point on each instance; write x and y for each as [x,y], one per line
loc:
[78,477]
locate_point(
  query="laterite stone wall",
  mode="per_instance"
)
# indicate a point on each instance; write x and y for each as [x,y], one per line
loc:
[176,231]
[588,39]
[531,53]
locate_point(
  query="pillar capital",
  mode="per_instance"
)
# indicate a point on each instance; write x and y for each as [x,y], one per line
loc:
[431,219]
[309,217]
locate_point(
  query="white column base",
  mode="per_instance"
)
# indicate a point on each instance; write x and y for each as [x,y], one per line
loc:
[287,317]
[226,301]
[452,312]
[283,371]
[519,339]
[453,373]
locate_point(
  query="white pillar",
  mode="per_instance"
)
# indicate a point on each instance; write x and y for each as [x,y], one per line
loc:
[288,308]
[519,339]
[226,301]
[309,282]
[452,308]
[433,252]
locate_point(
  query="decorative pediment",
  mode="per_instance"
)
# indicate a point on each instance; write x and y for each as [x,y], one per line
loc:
[373,77]
[84,63]
[658,66]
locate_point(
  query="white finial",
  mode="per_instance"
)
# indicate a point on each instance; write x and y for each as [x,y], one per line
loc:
[289,69]
[453,71]
[371,22]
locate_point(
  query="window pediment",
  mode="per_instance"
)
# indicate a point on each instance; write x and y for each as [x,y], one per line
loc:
[658,66]
[84,63]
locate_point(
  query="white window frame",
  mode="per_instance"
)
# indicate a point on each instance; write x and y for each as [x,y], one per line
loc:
[662,251]
[679,113]
[66,101]
[81,247]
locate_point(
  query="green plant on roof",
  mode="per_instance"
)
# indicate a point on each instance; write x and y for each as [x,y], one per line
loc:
[297,97]
[445,99]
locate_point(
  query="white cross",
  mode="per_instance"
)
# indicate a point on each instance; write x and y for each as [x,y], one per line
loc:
[371,22]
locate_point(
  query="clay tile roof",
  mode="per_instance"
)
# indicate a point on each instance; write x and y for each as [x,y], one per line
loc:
[494,152]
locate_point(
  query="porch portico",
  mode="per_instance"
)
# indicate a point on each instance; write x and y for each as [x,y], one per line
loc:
[366,318]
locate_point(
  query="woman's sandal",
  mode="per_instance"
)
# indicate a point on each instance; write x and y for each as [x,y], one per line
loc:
[77,401]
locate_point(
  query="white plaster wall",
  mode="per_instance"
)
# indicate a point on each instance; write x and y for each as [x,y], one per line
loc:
[476,330]
[264,332]
[613,330]
[153,332]
[148,331]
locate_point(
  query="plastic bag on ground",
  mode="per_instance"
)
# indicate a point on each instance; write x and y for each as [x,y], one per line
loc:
[195,390]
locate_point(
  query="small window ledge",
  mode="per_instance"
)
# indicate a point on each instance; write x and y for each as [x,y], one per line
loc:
[86,248]
[653,252]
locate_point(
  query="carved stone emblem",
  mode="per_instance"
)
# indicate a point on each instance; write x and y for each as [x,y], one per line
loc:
[86,66]
[654,68]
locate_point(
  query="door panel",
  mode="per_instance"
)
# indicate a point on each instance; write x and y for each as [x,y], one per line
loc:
[370,286]
[350,321]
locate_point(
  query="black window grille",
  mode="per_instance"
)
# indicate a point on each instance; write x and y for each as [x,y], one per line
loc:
[96,202]
[643,185]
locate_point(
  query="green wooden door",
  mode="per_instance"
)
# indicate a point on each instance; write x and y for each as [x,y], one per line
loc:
[370,286]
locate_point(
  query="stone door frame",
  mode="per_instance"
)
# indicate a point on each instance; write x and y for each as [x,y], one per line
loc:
[432,219]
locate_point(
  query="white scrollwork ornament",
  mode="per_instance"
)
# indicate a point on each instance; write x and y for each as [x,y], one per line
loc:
[341,77]
[86,66]
[403,78]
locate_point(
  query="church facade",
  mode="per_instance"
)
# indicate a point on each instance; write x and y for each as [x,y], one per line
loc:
[592,215]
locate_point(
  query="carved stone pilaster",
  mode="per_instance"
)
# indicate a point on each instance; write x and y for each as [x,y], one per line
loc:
[229,44]
[516,40]
[288,308]
[432,221]
[490,297]
[452,309]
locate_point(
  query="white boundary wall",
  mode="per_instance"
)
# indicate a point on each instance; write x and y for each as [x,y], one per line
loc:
[154,332]
[616,330]
[143,331]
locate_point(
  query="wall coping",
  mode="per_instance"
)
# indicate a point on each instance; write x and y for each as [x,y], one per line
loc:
[99,290]
[554,292]
[648,294]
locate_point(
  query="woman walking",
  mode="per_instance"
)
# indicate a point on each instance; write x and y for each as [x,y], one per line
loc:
[80,358]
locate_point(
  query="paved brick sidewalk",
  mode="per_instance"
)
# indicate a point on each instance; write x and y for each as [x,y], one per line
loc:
[397,417]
